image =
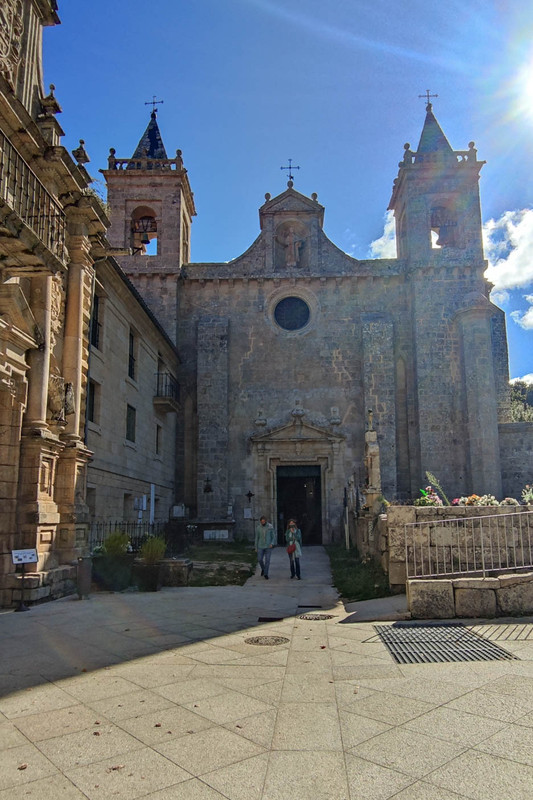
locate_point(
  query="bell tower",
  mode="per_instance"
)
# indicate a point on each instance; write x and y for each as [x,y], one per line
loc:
[151,211]
[435,199]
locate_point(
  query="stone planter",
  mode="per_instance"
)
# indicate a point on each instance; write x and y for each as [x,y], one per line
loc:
[146,577]
[112,572]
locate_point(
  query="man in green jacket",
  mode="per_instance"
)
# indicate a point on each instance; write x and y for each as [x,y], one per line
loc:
[264,542]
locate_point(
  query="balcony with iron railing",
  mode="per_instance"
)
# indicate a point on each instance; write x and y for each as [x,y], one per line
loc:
[167,392]
[22,191]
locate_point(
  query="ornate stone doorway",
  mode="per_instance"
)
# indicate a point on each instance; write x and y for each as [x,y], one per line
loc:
[299,495]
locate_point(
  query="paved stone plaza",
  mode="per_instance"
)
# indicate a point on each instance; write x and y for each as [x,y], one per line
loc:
[159,696]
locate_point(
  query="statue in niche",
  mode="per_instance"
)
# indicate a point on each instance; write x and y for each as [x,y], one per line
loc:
[60,399]
[291,238]
[293,243]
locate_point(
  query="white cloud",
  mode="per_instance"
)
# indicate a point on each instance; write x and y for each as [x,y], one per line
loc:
[525,318]
[508,243]
[500,296]
[385,246]
[526,378]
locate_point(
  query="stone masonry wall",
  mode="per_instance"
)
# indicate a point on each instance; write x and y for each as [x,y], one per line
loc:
[516,454]
[380,395]
[212,402]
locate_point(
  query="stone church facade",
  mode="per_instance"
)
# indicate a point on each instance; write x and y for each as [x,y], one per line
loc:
[286,349]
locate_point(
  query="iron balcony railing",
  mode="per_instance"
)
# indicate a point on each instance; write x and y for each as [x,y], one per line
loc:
[469,545]
[166,386]
[22,191]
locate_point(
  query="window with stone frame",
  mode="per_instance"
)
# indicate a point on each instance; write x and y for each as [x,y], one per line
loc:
[131,420]
[132,355]
[93,401]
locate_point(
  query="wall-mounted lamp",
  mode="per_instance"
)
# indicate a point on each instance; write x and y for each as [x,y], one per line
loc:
[249,496]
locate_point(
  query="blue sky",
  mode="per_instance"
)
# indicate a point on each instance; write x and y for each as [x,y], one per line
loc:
[247,84]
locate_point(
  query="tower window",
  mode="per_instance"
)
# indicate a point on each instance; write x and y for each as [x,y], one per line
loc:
[443,227]
[144,232]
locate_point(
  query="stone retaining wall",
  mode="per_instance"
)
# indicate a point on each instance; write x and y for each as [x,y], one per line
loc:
[398,516]
[441,598]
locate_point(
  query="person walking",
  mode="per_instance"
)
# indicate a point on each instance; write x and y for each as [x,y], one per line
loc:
[293,537]
[264,542]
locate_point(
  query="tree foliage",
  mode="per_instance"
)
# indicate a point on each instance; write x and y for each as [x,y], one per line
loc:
[521,401]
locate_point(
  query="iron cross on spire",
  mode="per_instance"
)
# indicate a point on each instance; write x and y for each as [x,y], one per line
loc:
[153,102]
[427,95]
[290,169]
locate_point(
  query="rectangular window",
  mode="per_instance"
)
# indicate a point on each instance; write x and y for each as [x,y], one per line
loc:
[131,356]
[131,414]
[92,391]
[95,323]
[158,431]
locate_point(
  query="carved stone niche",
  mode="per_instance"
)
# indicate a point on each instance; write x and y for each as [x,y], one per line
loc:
[291,245]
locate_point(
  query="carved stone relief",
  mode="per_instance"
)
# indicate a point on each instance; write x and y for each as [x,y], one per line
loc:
[291,244]
[11,28]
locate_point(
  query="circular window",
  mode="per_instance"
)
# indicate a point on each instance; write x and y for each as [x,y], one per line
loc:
[292,313]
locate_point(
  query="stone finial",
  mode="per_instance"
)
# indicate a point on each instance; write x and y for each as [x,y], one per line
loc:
[314,196]
[260,420]
[290,184]
[80,154]
[267,196]
[335,418]
[298,411]
[179,159]
[407,156]
[50,104]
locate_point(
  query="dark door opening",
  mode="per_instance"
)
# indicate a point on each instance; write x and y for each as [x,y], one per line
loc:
[299,495]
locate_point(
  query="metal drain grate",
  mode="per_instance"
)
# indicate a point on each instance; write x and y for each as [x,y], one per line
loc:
[513,632]
[410,643]
[316,616]
[269,641]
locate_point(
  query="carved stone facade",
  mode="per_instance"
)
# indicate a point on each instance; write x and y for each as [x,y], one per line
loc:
[285,349]
[50,233]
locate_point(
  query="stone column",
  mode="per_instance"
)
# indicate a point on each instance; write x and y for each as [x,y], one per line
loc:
[73,344]
[483,448]
[72,465]
[39,360]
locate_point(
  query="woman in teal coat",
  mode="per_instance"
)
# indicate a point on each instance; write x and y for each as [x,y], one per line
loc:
[293,537]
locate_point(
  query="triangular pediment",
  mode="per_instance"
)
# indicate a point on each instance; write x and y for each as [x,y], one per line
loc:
[291,202]
[297,430]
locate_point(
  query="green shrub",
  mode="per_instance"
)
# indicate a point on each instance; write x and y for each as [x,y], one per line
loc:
[153,550]
[116,544]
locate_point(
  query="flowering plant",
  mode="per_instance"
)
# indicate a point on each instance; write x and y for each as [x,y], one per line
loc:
[488,500]
[527,494]
[509,501]
[429,498]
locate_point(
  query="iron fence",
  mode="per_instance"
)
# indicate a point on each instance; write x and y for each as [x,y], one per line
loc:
[469,545]
[137,532]
[22,190]
[178,534]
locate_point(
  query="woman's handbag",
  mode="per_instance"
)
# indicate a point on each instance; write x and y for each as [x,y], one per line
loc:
[291,548]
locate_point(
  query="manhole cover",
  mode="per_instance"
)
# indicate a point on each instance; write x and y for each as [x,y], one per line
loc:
[316,616]
[410,643]
[267,640]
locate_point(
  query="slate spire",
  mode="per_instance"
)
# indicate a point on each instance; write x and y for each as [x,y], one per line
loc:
[151,144]
[432,138]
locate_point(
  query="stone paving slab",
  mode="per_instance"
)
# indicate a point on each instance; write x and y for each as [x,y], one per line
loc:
[159,696]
